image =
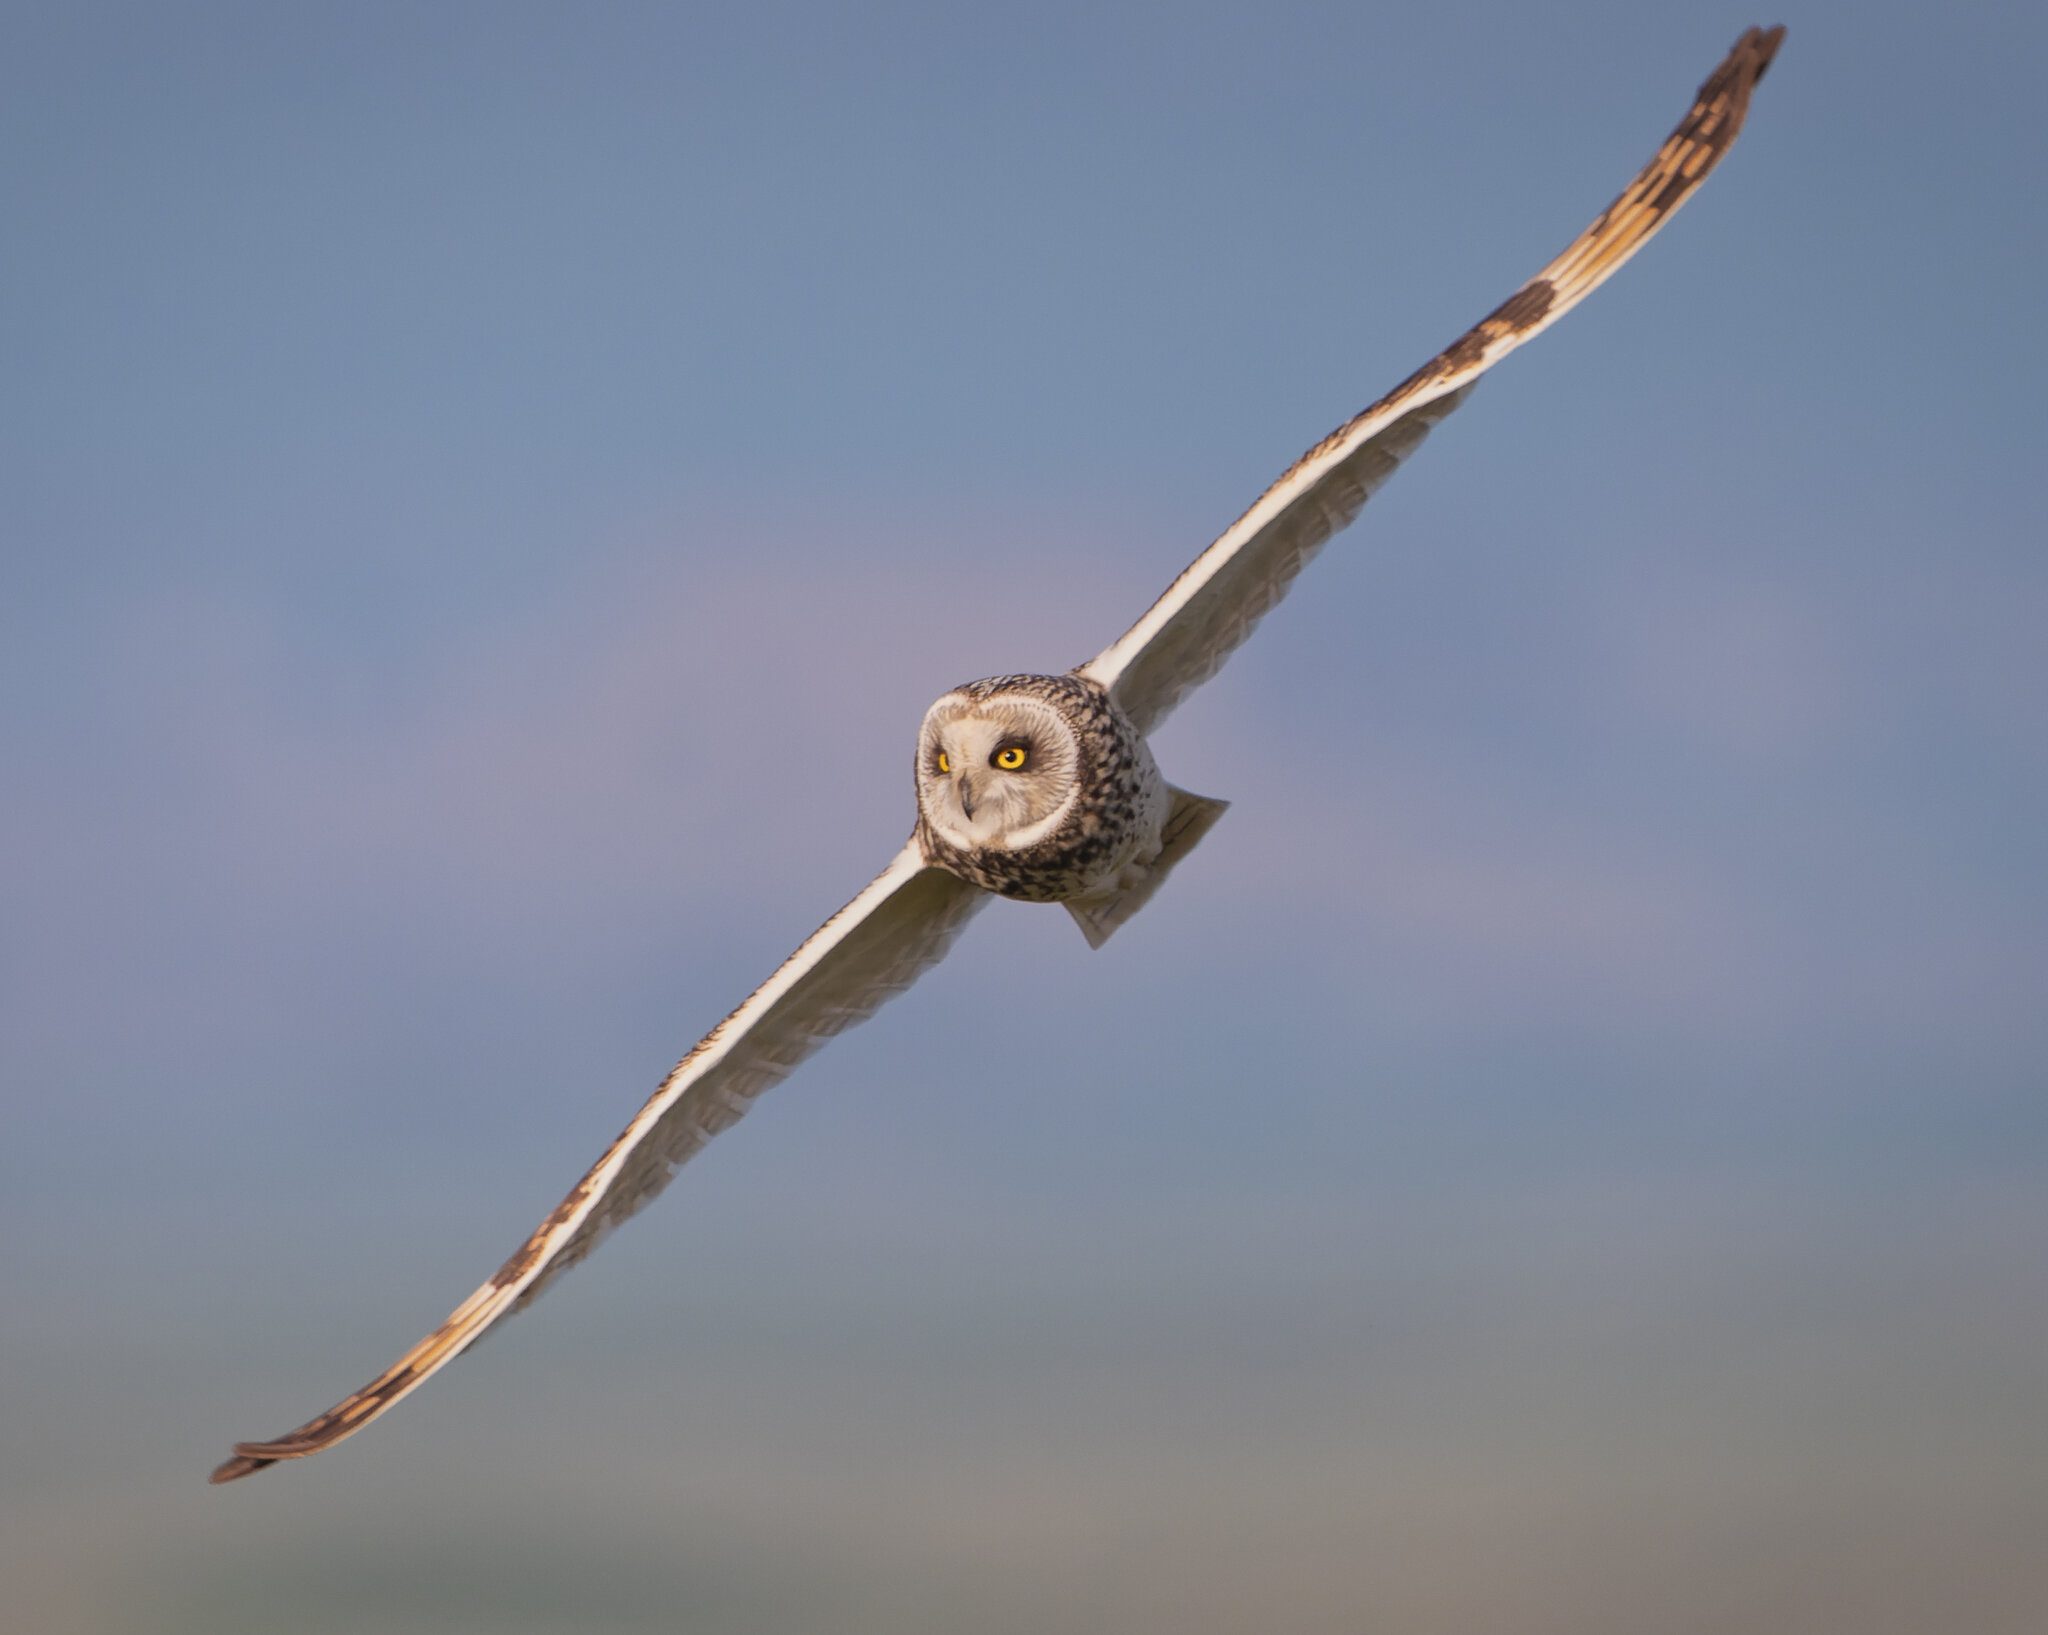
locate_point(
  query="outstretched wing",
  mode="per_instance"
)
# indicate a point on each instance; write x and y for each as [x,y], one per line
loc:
[1210,609]
[871,950]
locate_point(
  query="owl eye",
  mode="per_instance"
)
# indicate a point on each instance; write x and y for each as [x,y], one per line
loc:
[1011,757]
[945,762]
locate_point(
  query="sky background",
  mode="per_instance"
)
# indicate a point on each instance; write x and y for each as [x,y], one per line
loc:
[486,494]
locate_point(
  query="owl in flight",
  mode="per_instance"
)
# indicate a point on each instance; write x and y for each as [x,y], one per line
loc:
[1043,787]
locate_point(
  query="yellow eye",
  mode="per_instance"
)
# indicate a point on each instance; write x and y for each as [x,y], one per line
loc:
[945,762]
[1011,758]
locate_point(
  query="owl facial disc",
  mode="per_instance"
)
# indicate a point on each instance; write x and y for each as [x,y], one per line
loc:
[995,772]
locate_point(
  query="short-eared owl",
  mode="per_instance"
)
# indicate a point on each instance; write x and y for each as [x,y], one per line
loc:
[1043,787]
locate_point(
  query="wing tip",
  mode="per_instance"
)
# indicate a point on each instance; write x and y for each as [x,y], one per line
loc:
[250,1457]
[1743,69]
[1761,45]
[244,1463]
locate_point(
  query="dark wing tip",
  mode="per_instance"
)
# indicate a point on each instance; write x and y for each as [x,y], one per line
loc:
[1749,58]
[1721,106]
[1764,42]
[251,1457]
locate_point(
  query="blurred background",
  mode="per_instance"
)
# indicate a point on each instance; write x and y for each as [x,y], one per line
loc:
[486,494]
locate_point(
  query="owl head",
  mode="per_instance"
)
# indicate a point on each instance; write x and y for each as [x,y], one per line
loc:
[998,763]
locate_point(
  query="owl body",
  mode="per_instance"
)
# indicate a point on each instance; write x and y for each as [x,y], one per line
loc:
[1078,815]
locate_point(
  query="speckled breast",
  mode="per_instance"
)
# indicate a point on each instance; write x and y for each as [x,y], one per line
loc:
[1110,819]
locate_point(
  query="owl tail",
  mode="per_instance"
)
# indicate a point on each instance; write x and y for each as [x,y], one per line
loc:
[1187,820]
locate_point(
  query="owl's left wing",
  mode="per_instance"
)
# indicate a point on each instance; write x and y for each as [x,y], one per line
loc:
[1211,608]
[870,951]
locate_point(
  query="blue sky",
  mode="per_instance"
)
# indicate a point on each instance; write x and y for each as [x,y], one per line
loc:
[486,494]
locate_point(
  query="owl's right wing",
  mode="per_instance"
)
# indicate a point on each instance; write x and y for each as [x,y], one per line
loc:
[867,953]
[1211,608]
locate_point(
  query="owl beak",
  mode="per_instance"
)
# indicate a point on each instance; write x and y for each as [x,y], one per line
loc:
[967,796]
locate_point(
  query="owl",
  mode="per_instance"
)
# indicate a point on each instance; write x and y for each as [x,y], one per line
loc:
[1039,788]
[1043,788]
